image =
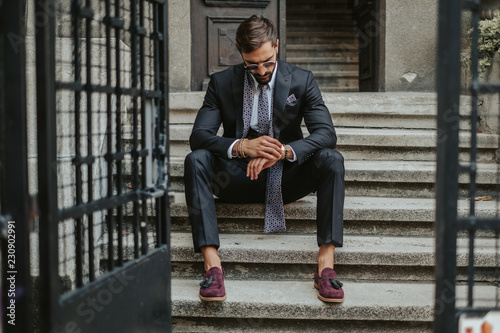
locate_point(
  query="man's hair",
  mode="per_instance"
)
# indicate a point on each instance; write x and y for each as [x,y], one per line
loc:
[253,32]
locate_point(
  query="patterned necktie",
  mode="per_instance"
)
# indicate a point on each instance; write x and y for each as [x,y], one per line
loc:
[274,220]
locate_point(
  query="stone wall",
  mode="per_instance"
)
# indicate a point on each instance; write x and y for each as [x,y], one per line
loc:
[179,43]
[409,62]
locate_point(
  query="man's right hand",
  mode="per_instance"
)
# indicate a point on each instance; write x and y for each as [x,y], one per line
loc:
[264,146]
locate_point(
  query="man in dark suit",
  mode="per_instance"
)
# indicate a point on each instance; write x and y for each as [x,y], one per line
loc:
[262,155]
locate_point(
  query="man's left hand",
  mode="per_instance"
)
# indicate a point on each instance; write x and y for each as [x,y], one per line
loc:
[256,165]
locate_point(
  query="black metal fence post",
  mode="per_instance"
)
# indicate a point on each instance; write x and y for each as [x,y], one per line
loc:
[448,88]
[47,167]
[16,275]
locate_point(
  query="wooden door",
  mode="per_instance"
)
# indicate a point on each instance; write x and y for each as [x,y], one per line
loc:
[213,29]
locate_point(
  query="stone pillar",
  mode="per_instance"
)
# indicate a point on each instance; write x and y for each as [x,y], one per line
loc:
[410,45]
[179,43]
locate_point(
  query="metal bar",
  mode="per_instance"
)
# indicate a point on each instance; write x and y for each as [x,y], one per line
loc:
[470,270]
[142,65]
[47,159]
[90,174]
[134,92]
[486,88]
[115,22]
[497,268]
[135,165]
[101,204]
[448,79]
[163,120]
[473,153]
[158,124]
[479,223]
[119,148]
[109,141]
[16,203]
[476,310]
[473,149]
[78,170]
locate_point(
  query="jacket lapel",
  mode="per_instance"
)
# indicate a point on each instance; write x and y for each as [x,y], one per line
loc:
[281,90]
[237,86]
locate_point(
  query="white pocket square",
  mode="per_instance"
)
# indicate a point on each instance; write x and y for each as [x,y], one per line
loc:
[291,99]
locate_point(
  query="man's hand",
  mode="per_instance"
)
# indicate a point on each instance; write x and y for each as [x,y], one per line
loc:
[264,146]
[256,165]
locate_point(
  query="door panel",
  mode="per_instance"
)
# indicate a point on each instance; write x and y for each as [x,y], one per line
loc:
[213,30]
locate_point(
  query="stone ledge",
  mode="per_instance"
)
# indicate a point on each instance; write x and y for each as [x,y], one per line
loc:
[298,300]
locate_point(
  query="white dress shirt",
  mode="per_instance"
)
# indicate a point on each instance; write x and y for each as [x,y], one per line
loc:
[254,119]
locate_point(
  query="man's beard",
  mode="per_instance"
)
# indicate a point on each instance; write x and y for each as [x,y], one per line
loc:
[263,79]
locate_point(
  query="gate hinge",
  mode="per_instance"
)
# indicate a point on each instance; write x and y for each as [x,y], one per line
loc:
[171,197]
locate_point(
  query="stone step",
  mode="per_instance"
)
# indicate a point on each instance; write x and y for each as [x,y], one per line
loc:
[363,216]
[368,137]
[298,11]
[328,65]
[332,15]
[294,3]
[320,28]
[298,300]
[342,74]
[291,256]
[341,89]
[359,209]
[322,37]
[322,50]
[338,83]
[324,24]
[375,216]
[289,301]
[322,60]
[266,325]
[388,171]
[364,110]
[385,178]
[349,35]
[364,143]
[281,250]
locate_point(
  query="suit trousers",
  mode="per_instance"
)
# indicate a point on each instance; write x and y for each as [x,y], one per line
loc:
[206,175]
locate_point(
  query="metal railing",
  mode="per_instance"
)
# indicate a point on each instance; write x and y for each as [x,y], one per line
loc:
[464,233]
[99,156]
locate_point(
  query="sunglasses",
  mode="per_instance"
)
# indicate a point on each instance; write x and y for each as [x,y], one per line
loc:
[254,67]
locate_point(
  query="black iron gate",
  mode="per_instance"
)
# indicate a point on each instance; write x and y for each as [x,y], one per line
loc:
[465,233]
[99,147]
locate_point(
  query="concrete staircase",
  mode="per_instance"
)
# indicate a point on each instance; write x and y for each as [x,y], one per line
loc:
[321,37]
[387,262]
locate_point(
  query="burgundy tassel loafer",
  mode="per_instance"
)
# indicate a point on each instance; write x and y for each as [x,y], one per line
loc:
[212,287]
[330,289]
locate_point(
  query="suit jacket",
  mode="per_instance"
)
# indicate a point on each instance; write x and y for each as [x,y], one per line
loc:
[223,104]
